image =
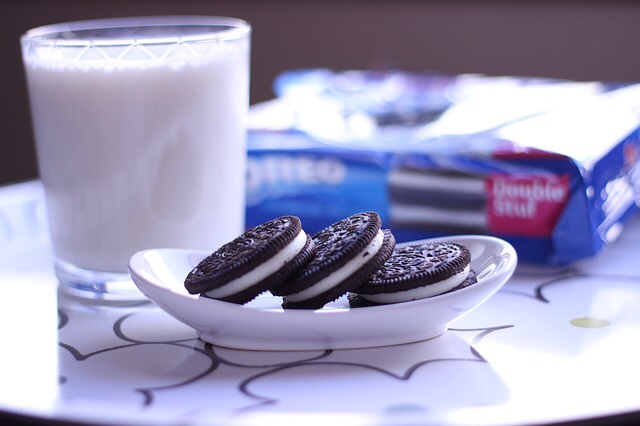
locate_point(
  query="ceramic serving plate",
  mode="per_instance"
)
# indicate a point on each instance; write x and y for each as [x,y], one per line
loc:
[263,325]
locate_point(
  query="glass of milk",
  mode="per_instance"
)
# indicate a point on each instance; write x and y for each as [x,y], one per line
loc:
[140,128]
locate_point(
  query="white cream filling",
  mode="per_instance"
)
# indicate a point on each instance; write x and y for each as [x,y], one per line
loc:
[420,292]
[341,274]
[263,270]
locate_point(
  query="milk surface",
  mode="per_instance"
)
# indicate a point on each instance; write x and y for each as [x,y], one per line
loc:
[141,155]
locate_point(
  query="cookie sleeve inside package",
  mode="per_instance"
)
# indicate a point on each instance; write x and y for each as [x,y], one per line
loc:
[549,165]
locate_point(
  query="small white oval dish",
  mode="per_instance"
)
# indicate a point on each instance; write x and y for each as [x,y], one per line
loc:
[263,325]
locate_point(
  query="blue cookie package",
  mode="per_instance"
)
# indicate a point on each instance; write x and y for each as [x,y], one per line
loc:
[552,166]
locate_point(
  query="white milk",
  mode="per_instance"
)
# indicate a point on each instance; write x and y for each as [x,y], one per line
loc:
[141,156]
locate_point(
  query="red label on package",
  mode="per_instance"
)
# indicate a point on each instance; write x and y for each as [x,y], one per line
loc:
[527,206]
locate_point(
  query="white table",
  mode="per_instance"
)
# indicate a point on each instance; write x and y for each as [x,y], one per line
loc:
[554,345]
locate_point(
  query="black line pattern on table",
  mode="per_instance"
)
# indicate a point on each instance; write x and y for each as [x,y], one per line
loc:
[216,360]
[265,400]
[148,393]
[323,354]
[483,332]
[539,290]
[63,318]
[548,277]
[316,359]
[565,274]
[264,370]
[209,350]
[117,330]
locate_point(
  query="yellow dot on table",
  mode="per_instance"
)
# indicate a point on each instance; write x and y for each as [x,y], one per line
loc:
[587,322]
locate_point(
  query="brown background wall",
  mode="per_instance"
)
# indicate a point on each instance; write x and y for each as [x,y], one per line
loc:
[582,40]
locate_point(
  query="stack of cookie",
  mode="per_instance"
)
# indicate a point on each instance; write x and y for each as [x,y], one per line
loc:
[353,256]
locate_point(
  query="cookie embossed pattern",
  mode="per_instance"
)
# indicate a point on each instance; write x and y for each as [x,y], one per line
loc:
[548,333]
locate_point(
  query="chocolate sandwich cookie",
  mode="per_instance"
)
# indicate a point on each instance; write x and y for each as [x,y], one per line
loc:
[347,252]
[259,259]
[417,271]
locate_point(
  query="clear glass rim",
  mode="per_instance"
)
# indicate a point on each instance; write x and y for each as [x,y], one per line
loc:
[63,34]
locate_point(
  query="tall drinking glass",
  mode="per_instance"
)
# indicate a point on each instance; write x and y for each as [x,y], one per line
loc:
[140,128]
